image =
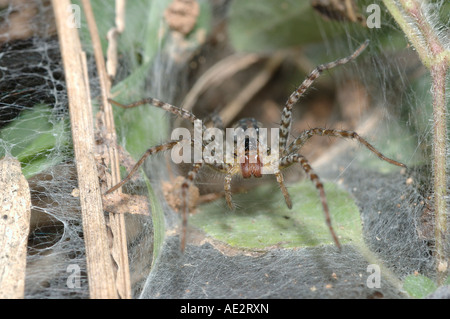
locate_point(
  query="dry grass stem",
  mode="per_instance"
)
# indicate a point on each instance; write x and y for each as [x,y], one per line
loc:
[252,88]
[100,266]
[217,74]
[424,36]
[110,154]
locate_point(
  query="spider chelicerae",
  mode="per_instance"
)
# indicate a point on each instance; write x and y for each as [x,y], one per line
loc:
[249,163]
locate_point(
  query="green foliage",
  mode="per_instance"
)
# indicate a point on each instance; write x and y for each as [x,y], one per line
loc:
[36,140]
[266,25]
[418,286]
[263,220]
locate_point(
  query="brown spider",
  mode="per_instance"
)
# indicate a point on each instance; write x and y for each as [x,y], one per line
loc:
[248,163]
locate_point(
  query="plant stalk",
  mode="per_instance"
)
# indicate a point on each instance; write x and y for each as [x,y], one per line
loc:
[410,16]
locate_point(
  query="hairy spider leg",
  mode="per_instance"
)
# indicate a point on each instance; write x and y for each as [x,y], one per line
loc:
[304,136]
[297,158]
[185,114]
[227,188]
[286,115]
[180,112]
[150,151]
[283,188]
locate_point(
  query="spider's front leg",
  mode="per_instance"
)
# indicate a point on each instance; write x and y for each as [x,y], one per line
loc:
[286,115]
[297,158]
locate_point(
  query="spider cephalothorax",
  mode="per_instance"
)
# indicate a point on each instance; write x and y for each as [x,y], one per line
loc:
[251,157]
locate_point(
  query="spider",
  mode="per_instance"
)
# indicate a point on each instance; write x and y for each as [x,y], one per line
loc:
[249,163]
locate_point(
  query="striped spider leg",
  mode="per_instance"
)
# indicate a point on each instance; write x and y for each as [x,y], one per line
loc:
[286,115]
[165,147]
[289,154]
[292,157]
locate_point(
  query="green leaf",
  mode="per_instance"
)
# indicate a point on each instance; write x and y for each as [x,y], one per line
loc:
[263,219]
[36,139]
[266,25]
[419,286]
[40,164]
[140,39]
